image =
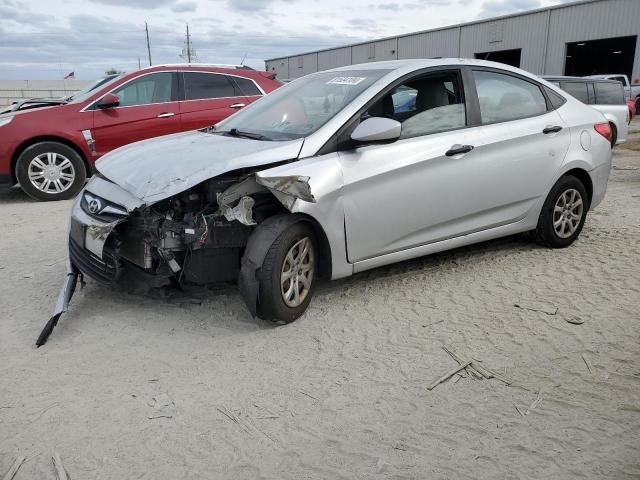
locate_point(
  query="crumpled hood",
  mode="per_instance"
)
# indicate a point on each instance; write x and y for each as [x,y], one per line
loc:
[159,168]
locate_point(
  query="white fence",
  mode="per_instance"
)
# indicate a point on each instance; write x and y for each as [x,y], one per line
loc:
[16,90]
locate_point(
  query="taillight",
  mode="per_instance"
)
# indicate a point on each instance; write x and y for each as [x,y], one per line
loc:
[604,129]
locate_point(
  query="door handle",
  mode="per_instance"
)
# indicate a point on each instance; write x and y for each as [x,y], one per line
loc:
[554,129]
[458,149]
[238,105]
[166,115]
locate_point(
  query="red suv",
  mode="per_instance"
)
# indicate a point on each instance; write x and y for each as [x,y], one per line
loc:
[49,146]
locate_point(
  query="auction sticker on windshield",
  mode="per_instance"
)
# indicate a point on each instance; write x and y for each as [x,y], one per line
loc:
[346,80]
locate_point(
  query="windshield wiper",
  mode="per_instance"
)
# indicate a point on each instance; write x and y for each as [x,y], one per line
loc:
[234,132]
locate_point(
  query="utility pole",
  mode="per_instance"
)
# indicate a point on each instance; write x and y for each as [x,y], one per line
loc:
[139,66]
[188,46]
[146,27]
[188,53]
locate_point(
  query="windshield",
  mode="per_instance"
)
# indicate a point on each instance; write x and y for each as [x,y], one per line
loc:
[300,108]
[82,95]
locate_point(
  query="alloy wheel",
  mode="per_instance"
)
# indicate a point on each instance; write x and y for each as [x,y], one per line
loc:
[567,213]
[51,173]
[297,272]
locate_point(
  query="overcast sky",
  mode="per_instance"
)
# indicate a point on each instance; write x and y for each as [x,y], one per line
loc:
[40,39]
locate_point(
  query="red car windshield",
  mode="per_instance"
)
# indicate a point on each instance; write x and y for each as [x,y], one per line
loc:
[83,95]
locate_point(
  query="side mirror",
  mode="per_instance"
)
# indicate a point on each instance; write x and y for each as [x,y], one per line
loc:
[377,129]
[108,101]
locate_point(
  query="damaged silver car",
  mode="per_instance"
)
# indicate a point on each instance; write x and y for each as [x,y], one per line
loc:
[339,172]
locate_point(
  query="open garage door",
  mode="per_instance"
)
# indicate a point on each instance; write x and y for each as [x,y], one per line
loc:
[594,57]
[509,57]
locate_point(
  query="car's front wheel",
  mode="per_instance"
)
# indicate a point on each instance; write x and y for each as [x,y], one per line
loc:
[288,275]
[563,213]
[50,171]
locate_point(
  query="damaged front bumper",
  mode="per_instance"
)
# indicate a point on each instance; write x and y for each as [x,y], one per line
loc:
[85,248]
[200,236]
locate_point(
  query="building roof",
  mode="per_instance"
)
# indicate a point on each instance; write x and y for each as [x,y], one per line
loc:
[448,27]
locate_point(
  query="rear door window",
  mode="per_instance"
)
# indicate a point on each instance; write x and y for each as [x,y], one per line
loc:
[505,97]
[202,85]
[577,90]
[609,93]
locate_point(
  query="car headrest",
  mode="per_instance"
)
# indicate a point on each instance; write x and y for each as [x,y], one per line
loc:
[431,94]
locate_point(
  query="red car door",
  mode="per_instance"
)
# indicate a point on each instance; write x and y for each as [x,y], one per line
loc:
[148,108]
[209,98]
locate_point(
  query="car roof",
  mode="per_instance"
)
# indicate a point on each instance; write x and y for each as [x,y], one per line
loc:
[608,75]
[206,67]
[579,79]
[420,63]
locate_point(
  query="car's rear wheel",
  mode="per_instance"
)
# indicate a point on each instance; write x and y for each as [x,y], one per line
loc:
[50,171]
[563,213]
[288,275]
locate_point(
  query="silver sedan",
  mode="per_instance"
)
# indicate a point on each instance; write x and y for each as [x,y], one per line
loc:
[339,172]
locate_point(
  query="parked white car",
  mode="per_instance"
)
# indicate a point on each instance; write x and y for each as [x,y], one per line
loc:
[329,176]
[606,96]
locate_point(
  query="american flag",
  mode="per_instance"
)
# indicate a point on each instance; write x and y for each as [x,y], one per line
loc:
[70,76]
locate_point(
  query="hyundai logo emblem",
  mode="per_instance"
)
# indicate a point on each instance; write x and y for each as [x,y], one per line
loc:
[94,205]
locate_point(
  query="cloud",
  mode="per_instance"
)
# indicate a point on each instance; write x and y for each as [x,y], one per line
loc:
[252,6]
[145,4]
[15,13]
[184,7]
[494,8]
[399,7]
[90,44]
[362,23]
[394,7]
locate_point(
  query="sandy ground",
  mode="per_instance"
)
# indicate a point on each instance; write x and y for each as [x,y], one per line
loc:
[130,387]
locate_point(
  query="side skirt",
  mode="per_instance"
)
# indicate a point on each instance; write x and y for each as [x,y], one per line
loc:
[421,251]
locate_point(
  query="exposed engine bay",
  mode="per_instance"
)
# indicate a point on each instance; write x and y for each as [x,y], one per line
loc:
[197,236]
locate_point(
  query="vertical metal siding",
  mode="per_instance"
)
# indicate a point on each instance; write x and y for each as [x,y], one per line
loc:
[443,43]
[337,57]
[384,50]
[526,32]
[280,67]
[591,21]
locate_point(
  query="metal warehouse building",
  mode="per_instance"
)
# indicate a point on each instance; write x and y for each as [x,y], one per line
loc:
[580,38]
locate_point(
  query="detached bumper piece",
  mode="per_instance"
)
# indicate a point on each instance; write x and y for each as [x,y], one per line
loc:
[62,305]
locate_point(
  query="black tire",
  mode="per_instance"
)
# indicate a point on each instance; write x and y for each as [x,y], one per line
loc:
[637,105]
[60,152]
[271,302]
[545,233]
[614,135]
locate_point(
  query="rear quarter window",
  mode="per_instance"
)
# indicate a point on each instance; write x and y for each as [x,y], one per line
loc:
[609,94]
[245,87]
